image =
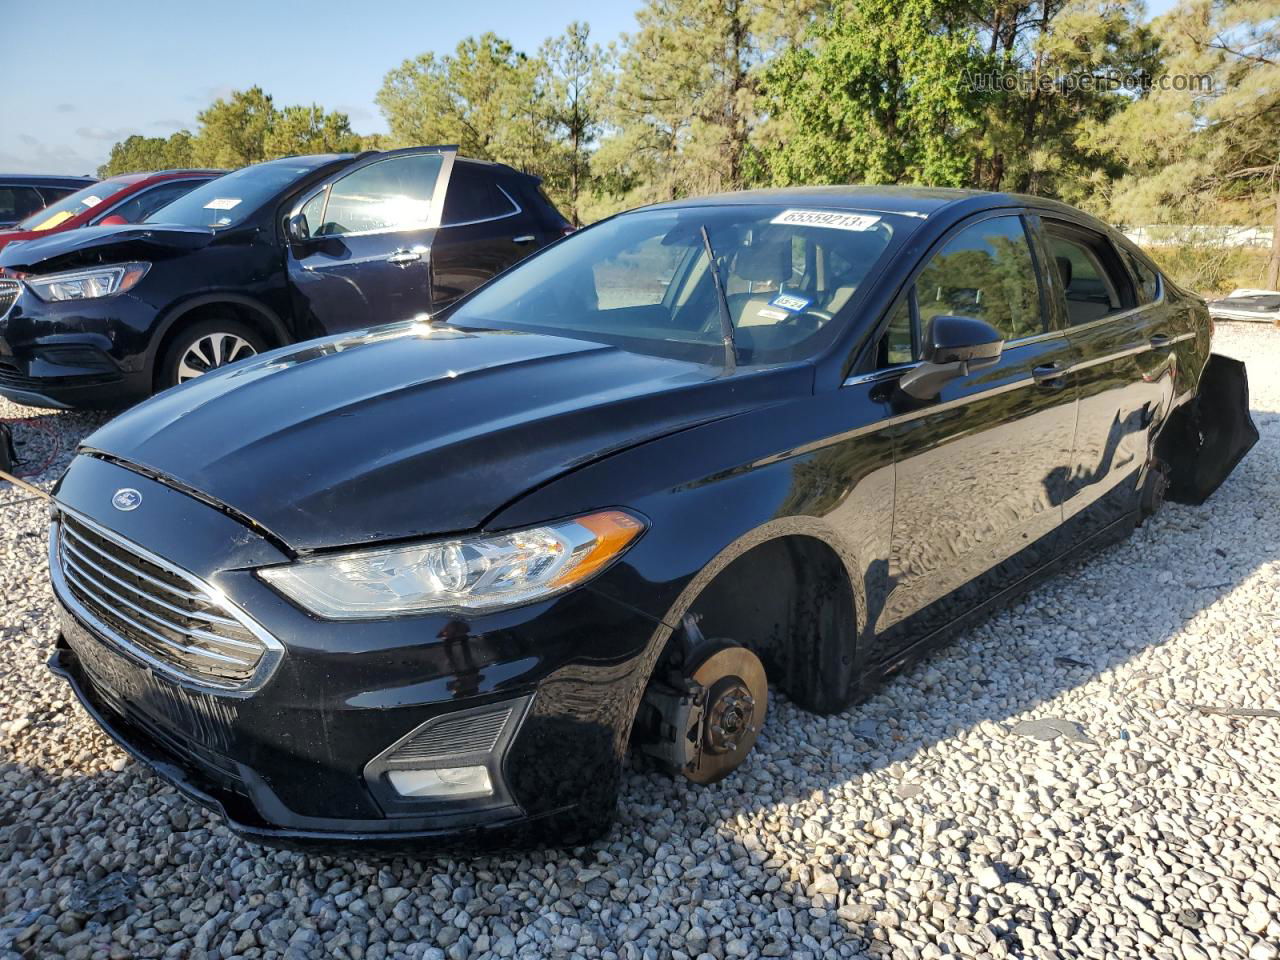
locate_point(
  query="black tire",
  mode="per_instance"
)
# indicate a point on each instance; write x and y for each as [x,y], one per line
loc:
[220,339]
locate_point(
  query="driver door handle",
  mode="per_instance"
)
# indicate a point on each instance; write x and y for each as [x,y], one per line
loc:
[523,238]
[404,256]
[1049,374]
[1159,341]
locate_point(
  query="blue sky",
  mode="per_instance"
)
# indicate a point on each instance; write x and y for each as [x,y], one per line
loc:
[103,72]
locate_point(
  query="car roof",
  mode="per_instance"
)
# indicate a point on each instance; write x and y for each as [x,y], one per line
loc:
[45,180]
[159,176]
[911,201]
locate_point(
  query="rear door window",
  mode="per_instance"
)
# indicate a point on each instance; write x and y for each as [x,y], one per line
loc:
[474,196]
[1094,282]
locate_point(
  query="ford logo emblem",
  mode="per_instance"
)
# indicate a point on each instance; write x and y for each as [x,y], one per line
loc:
[126,498]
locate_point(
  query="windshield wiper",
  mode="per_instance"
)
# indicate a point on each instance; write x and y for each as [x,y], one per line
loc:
[726,320]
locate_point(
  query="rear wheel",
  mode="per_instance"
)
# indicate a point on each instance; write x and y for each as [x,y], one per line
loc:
[205,346]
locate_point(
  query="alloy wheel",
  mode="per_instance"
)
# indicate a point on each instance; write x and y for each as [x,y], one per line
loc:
[211,351]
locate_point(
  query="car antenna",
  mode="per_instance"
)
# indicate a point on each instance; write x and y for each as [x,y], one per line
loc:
[726,320]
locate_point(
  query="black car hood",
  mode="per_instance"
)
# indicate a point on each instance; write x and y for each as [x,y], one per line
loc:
[412,429]
[88,246]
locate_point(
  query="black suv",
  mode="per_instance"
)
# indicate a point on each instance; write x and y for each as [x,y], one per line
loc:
[22,194]
[267,255]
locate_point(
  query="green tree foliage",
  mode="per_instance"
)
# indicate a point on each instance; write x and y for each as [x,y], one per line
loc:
[686,102]
[1032,96]
[1063,65]
[482,97]
[233,131]
[576,89]
[1197,155]
[298,130]
[877,96]
[138,154]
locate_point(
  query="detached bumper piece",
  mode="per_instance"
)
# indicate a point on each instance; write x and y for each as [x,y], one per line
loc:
[1214,433]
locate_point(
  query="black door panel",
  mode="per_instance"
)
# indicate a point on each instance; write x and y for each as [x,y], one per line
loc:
[1124,373]
[484,230]
[981,468]
[463,257]
[980,478]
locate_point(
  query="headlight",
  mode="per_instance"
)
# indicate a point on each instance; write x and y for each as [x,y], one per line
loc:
[474,574]
[87,284]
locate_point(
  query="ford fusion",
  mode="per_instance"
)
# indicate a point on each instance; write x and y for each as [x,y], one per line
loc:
[436,582]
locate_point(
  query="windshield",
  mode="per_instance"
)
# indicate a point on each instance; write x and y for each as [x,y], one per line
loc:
[72,205]
[641,281]
[233,197]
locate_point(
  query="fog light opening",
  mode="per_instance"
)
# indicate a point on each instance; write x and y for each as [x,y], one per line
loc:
[446,783]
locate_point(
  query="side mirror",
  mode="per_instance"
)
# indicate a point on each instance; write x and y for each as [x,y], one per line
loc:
[298,229]
[953,346]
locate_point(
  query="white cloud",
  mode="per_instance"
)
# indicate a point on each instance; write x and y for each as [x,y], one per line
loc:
[111,134]
[35,156]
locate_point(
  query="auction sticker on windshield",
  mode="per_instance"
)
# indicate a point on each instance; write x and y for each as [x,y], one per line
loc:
[222,203]
[827,218]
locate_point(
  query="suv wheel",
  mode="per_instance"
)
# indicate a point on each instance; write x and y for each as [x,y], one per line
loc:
[206,346]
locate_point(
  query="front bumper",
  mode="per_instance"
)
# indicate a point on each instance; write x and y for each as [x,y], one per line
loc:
[84,354]
[289,763]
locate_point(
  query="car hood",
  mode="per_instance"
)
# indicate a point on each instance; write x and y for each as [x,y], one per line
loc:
[88,246]
[414,429]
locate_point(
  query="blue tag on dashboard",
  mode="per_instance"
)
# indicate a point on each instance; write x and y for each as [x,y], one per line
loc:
[788,301]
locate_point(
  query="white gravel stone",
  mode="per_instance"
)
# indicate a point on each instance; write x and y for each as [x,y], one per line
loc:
[1048,786]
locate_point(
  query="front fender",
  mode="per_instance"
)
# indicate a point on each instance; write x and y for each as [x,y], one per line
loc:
[806,467]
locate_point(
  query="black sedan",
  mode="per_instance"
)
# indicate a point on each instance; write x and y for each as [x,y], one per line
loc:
[265,256]
[432,581]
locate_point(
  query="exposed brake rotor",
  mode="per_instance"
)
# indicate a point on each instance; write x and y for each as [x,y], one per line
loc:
[735,700]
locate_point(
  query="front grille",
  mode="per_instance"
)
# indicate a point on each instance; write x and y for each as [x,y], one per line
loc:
[9,290]
[149,606]
[11,376]
[453,736]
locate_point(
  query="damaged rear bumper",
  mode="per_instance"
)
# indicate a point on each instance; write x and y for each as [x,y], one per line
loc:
[1211,434]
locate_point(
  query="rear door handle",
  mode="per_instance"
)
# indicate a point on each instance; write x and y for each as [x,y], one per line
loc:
[404,256]
[1160,341]
[523,238]
[1049,374]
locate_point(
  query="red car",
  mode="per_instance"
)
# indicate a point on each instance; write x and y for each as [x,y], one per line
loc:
[128,198]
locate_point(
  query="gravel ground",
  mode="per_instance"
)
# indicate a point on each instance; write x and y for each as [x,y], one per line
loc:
[1057,783]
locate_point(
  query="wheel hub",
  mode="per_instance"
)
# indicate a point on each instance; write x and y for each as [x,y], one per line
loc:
[729,717]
